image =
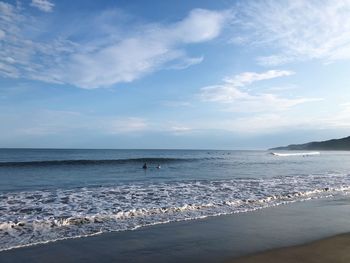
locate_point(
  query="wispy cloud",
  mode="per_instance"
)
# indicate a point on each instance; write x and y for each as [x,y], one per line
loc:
[43,5]
[259,124]
[90,64]
[126,125]
[231,93]
[53,122]
[21,57]
[187,62]
[177,104]
[296,29]
[247,78]
[339,120]
[150,50]
[179,130]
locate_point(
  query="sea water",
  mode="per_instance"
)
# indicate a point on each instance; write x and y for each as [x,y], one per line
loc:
[51,194]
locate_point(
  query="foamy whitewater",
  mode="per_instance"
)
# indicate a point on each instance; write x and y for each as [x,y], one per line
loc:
[49,195]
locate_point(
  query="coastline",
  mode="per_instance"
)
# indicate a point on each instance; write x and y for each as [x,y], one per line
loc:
[216,239]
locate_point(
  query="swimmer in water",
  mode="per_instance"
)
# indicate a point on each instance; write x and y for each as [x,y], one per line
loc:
[158,166]
[144,166]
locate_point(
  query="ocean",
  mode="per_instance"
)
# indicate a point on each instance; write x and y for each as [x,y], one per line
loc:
[54,194]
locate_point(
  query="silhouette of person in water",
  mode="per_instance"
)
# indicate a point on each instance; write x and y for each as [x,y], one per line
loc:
[144,166]
[158,166]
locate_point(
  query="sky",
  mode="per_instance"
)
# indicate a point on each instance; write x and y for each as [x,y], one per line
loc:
[173,74]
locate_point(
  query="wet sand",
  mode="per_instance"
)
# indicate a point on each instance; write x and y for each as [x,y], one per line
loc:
[335,249]
[216,239]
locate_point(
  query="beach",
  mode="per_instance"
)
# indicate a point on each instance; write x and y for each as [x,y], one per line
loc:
[167,132]
[334,249]
[215,239]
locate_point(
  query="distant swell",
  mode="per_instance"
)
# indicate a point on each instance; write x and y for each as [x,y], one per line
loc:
[95,162]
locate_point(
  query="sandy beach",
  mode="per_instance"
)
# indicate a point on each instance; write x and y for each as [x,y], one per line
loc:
[216,239]
[334,249]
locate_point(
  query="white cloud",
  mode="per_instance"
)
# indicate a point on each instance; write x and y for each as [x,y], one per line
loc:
[247,78]
[143,53]
[138,51]
[199,26]
[242,101]
[285,87]
[297,29]
[125,125]
[18,55]
[180,128]
[7,11]
[248,125]
[276,122]
[43,5]
[223,93]
[339,120]
[177,104]
[8,70]
[186,62]
[46,122]
[231,94]
[51,122]
[258,124]
[275,60]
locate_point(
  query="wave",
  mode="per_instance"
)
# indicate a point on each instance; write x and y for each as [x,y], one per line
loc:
[26,233]
[295,154]
[42,216]
[155,160]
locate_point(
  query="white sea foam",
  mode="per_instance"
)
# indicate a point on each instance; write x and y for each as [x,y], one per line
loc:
[295,154]
[41,216]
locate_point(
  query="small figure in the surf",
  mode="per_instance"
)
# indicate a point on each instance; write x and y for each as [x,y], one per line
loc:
[158,166]
[144,166]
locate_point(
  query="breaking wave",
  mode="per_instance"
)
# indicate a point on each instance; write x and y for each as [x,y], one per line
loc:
[296,154]
[41,216]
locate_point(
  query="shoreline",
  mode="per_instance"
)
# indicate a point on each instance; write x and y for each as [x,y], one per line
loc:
[209,217]
[216,239]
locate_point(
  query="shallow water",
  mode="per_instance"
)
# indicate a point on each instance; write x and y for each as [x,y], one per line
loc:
[55,194]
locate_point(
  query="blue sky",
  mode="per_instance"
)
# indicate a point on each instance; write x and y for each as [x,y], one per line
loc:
[160,74]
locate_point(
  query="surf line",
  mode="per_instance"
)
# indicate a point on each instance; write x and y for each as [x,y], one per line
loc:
[295,154]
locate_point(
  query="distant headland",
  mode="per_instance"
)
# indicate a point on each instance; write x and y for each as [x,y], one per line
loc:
[342,144]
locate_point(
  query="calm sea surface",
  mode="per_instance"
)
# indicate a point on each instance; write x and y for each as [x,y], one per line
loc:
[47,195]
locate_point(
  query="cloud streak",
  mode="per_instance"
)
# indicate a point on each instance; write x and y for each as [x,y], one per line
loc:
[90,64]
[247,78]
[55,122]
[297,30]
[236,99]
[146,52]
[43,5]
